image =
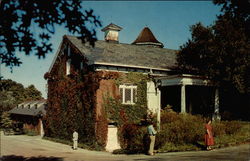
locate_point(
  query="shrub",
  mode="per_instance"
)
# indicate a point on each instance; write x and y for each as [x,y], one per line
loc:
[176,129]
[232,127]
[6,121]
[179,132]
[180,129]
[133,138]
[226,127]
[168,117]
[219,128]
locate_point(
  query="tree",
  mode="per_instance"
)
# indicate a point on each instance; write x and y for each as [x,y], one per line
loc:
[7,101]
[13,93]
[16,90]
[222,53]
[32,93]
[6,122]
[27,26]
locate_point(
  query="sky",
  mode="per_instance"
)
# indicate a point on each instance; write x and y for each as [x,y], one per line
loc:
[169,21]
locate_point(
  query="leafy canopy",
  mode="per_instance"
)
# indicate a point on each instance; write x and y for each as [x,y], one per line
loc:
[27,26]
[13,93]
[221,51]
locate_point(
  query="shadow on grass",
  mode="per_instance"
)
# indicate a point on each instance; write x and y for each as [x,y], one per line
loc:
[21,158]
[200,146]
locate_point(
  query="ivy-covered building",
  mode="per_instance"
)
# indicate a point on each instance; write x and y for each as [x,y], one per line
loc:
[113,82]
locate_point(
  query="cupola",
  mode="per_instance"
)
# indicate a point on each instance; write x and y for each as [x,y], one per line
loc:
[146,37]
[111,33]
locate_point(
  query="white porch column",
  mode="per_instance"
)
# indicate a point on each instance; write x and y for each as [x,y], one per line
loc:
[159,110]
[154,101]
[216,115]
[183,99]
[41,128]
[216,101]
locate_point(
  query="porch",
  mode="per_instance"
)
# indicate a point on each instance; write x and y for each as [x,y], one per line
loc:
[185,93]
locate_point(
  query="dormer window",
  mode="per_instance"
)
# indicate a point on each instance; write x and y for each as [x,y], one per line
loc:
[35,106]
[28,106]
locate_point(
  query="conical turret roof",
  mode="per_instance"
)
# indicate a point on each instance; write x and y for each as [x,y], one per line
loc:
[146,37]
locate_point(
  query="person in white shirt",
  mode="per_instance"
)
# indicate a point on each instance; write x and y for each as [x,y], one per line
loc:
[151,133]
[75,140]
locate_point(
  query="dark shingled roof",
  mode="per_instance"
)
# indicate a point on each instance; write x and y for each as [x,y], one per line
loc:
[113,27]
[146,37]
[126,54]
[32,108]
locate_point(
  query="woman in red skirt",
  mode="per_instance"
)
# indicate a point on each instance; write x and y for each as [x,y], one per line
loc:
[209,139]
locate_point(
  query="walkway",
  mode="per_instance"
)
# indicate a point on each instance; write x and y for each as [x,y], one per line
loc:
[33,148]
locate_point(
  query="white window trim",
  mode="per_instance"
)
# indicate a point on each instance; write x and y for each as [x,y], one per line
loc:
[132,87]
[68,63]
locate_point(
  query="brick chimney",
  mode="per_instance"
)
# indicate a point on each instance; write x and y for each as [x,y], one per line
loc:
[111,33]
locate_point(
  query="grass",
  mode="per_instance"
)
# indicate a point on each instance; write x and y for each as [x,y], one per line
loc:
[80,145]
[170,147]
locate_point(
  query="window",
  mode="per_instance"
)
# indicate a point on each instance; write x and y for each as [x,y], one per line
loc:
[128,94]
[68,52]
[81,65]
[68,63]
[68,66]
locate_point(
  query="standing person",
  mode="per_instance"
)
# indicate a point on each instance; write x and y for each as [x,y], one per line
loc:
[151,133]
[75,140]
[209,139]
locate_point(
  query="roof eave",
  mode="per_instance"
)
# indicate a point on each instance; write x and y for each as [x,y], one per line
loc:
[130,66]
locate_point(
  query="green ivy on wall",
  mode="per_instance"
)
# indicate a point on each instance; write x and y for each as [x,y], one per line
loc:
[121,113]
